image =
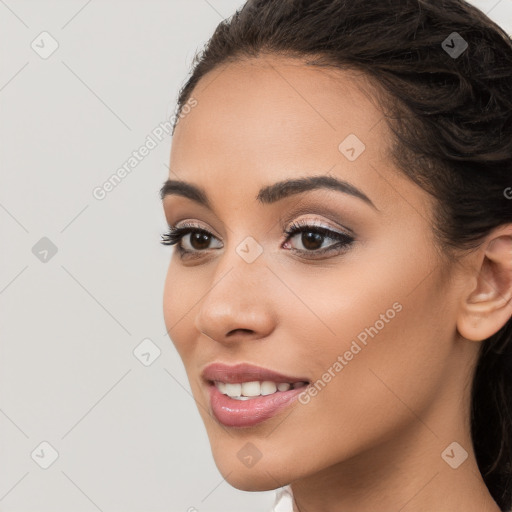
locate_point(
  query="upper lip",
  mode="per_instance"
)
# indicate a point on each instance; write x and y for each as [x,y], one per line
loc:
[244,372]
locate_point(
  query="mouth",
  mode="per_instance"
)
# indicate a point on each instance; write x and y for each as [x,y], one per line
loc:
[242,411]
[246,373]
[253,389]
[245,395]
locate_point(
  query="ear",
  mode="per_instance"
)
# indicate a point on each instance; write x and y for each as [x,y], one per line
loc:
[487,305]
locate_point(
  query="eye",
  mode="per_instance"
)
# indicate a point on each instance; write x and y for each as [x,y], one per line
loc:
[197,242]
[312,238]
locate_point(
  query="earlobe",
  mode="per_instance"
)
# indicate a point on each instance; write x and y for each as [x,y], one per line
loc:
[487,305]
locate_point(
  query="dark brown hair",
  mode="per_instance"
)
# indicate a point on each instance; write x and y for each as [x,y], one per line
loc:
[451,116]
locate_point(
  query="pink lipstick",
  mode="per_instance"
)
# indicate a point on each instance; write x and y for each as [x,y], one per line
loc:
[244,395]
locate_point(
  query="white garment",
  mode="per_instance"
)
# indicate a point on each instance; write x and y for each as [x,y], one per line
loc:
[284,500]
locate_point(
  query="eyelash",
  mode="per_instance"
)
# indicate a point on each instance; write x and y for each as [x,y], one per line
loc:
[175,235]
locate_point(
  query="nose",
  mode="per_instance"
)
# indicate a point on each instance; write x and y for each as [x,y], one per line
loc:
[238,304]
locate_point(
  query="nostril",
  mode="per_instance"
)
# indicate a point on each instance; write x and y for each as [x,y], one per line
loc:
[236,331]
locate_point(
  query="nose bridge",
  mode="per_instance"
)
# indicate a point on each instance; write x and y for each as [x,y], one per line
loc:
[243,264]
[237,297]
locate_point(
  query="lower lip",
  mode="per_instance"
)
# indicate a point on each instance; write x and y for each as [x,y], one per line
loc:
[247,413]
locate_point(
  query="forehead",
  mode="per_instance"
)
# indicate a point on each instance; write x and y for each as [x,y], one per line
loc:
[266,119]
[256,99]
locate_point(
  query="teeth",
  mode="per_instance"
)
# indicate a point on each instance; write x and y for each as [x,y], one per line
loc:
[251,388]
[248,390]
[233,389]
[267,387]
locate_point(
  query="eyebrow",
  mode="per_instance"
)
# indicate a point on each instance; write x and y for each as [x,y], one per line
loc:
[271,193]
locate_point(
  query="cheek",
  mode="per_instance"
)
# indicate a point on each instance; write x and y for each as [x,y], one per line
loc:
[180,294]
[389,324]
[388,383]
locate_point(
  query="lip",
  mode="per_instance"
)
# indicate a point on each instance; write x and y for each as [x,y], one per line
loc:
[245,372]
[248,413]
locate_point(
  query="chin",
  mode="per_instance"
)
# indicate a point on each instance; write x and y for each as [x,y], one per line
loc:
[252,480]
[263,475]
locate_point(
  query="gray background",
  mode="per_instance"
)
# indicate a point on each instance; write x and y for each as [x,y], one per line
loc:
[128,434]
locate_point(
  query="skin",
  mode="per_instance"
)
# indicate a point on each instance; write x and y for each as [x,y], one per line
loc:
[372,438]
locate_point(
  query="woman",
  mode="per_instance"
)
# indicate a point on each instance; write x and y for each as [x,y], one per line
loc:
[341,290]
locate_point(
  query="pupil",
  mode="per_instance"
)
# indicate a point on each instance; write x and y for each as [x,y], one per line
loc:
[308,237]
[199,237]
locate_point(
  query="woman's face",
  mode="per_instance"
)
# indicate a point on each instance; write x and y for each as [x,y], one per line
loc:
[369,324]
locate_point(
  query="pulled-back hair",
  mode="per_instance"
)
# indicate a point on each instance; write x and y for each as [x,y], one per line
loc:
[451,116]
